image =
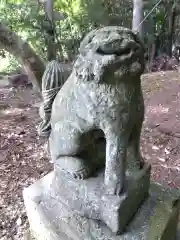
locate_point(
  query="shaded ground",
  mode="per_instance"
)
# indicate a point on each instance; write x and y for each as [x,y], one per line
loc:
[23,159]
[161,132]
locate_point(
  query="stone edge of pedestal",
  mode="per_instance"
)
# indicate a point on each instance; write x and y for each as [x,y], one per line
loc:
[41,228]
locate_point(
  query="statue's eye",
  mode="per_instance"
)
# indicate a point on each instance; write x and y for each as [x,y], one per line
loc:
[125,51]
[101,52]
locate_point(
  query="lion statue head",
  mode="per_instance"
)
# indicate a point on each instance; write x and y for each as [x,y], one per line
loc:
[110,51]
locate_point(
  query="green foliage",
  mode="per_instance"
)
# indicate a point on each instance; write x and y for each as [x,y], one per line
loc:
[8,64]
[24,18]
[27,18]
[80,19]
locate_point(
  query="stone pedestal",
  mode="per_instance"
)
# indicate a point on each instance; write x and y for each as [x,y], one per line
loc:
[87,197]
[51,218]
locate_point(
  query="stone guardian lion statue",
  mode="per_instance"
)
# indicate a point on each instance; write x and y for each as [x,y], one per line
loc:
[101,99]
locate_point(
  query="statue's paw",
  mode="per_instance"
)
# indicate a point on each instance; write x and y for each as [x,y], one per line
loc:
[81,174]
[75,167]
[117,189]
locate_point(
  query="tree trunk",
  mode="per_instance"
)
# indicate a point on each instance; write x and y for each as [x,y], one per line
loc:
[137,16]
[32,63]
[50,41]
[172,18]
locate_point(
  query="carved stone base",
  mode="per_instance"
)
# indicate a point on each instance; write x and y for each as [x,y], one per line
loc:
[88,197]
[50,219]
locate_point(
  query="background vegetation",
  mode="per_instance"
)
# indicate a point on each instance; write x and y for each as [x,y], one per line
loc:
[58,35]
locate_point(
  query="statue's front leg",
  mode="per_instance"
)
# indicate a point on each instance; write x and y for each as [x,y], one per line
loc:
[65,148]
[134,159]
[116,147]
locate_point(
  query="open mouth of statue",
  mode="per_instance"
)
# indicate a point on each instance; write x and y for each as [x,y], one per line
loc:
[126,51]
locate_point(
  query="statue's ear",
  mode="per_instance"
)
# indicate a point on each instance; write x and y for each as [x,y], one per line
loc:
[82,68]
[87,39]
[92,66]
[85,69]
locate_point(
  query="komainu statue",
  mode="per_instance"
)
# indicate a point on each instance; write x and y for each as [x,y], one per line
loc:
[101,101]
[100,185]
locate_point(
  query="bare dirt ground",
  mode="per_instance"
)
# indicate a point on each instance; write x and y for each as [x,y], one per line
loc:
[23,159]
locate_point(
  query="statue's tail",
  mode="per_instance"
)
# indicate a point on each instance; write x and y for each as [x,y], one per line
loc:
[53,78]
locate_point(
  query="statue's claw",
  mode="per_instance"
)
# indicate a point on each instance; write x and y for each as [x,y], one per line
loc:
[81,174]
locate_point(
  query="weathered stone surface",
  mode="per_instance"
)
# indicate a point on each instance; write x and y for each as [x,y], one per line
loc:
[102,98]
[163,224]
[52,220]
[87,197]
